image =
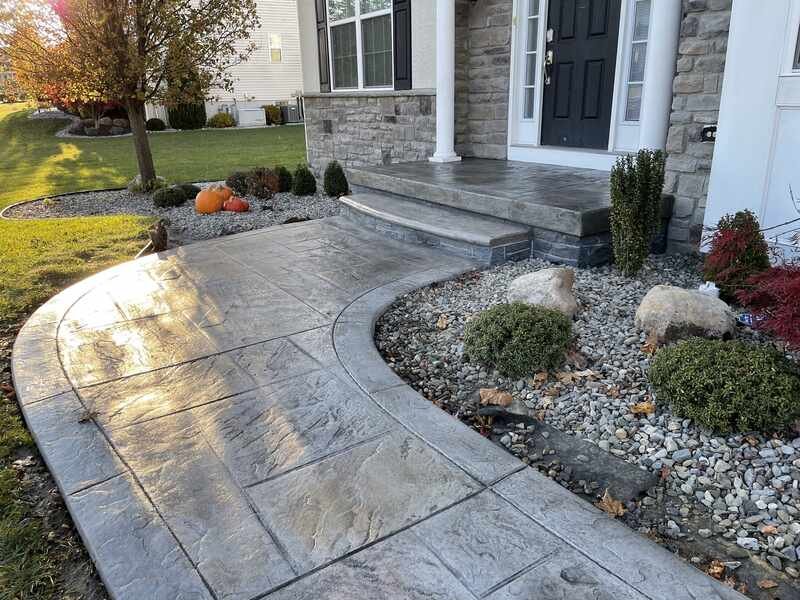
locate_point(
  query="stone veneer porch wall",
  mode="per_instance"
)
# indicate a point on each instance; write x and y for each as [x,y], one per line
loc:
[697,89]
[369,129]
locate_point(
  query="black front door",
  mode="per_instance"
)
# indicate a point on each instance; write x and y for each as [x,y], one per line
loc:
[579,82]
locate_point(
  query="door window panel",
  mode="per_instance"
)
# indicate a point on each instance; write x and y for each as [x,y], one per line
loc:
[530,59]
[635,83]
[797,53]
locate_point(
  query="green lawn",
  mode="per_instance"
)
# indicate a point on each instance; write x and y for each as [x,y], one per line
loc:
[38,559]
[40,257]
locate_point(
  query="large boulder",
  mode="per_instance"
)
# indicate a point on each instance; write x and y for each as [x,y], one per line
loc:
[121,123]
[669,313]
[551,288]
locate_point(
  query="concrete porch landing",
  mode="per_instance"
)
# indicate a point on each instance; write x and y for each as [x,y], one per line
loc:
[221,426]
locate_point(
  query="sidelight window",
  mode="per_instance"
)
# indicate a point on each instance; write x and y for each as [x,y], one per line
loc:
[797,53]
[361,43]
[531,54]
[635,84]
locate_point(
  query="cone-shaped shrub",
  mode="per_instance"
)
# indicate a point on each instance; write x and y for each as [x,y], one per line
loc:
[304,183]
[335,180]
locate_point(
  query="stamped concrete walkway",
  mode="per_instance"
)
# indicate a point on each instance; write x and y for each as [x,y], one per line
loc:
[221,426]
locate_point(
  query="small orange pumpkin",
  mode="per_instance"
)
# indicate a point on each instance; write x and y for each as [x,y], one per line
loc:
[236,204]
[208,201]
[224,191]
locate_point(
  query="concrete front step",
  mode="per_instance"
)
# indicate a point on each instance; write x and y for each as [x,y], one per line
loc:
[485,239]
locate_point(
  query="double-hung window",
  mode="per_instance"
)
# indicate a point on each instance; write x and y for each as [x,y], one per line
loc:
[361,43]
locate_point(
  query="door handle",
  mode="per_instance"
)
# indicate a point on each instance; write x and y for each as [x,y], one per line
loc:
[549,59]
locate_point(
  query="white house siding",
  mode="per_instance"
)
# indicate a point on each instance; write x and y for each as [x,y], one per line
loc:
[259,81]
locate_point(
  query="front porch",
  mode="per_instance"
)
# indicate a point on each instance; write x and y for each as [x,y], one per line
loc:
[492,210]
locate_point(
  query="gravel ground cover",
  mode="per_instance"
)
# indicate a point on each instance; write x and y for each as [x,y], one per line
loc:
[738,494]
[185,225]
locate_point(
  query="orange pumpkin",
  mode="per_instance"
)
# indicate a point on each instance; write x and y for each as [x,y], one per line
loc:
[224,191]
[208,201]
[236,204]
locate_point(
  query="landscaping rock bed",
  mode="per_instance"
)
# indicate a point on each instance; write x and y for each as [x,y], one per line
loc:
[738,493]
[184,224]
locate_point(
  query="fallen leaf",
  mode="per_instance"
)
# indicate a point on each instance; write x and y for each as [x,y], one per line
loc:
[769,530]
[586,374]
[650,345]
[495,397]
[716,569]
[613,391]
[643,408]
[443,322]
[665,472]
[767,584]
[538,380]
[87,416]
[577,358]
[565,377]
[611,505]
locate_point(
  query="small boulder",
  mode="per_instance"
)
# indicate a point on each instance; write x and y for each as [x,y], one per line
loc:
[669,313]
[76,128]
[550,288]
[105,122]
[92,131]
[121,123]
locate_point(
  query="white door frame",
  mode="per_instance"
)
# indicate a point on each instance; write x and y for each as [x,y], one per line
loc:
[553,155]
[760,96]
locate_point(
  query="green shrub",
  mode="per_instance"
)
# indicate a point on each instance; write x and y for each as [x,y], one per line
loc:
[221,120]
[169,197]
[237,181]
[189,189]
[335,182]
[636,187]
[188,116]
[728,386]
[737,252]
[262,183]
[303,182]
[284,179]
[518,339]
[155,124]
[273,115]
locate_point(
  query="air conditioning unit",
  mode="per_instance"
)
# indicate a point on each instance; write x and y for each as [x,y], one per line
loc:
[290,114]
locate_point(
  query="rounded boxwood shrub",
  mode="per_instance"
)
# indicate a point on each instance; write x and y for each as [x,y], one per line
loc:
[518,339]
[284,179]
[155,124]
[303,182]
[335,182]
[169,197]
[189,189]
[728,386]
[221,120]
[237,181]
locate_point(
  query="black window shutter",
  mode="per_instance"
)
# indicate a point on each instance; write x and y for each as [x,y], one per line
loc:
[322,47]
[402,44]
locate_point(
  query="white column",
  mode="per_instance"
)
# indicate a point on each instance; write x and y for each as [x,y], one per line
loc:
[445,82]
[662,53]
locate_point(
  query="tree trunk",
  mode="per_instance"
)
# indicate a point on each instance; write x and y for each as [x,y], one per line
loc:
[141,143]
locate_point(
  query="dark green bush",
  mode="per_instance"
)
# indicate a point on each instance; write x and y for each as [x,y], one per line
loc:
[272,114]
[155,124]
[262,183]
[518,339]
[237,181]
[188,116]
[189,189]
[636,187]
[728,386]
[335,182]
[169,197]
[303,182]
[221,120]
[737,252]
[284,179]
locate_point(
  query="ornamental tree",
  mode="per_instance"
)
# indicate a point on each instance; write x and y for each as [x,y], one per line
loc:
[135,52]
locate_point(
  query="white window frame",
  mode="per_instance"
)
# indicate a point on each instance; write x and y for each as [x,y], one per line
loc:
[358,18]
[270,47]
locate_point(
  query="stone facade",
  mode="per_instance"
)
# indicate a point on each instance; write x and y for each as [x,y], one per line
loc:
[697,89]
[360,130]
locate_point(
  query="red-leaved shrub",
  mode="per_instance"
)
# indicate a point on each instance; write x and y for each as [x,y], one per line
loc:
[774,299]
[738,251]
